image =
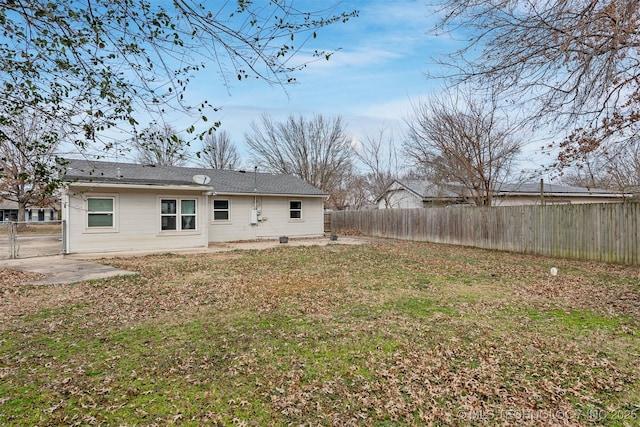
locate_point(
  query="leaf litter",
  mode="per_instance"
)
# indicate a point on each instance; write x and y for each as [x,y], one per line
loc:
[401,332]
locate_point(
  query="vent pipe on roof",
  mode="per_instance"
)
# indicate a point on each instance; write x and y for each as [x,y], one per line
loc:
[255,179]
[255,189]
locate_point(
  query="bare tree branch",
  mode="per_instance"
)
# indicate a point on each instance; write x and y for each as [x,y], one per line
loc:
[379,156]
[160,146]
[316,150]
[28,173]
[461,140]
[218,152]
[573,62]
[105,65]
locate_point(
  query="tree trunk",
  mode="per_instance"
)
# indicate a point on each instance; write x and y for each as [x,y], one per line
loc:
[22,209]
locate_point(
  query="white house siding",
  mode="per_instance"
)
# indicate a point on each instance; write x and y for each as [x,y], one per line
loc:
[275,218]
[137,221]
[401,199]
[41,215]
[9,212]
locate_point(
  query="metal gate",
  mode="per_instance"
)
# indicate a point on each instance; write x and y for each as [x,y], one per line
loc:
[30,239]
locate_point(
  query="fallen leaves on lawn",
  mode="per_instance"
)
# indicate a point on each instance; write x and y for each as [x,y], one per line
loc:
[10,277]
[384,333]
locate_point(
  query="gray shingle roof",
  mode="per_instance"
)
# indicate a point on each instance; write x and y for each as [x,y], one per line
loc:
[11,205]
[8,204]
[427,190]
[534,188]
[222,181]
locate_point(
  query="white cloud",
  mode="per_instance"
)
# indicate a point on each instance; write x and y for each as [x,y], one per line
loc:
[353,58]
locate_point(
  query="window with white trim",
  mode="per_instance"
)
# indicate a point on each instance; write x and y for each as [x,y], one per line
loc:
[177,214]
[221,210]
[188,214]
[100,212]
[295,209]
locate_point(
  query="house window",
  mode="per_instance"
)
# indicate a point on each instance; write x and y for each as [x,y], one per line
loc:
[221,210]
[188,214]
[177,214]
[100,212]
[168,214]
[295,209]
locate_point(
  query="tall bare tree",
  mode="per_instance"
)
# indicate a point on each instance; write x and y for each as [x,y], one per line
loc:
[359,193]
[570,60]
[160,145]
[351,192]
[623,168]
[616,169]
[105,64]
[462,141]
[379,158]
[218,152]
[316,150]
[28,174]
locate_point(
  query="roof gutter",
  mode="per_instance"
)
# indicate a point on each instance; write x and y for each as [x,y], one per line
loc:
[209,189]
[141,186]
[229,193]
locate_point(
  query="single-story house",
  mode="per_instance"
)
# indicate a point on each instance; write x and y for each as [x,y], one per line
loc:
[414,193]
[421,193]
[113,206]
[9,212]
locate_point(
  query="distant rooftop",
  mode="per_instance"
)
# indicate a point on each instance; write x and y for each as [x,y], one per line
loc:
[428,190]
[534,188]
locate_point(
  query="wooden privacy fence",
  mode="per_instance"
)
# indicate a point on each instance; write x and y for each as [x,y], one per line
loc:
[599,232]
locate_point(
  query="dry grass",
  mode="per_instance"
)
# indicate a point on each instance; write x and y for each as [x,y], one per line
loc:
[31,228]
[379,334]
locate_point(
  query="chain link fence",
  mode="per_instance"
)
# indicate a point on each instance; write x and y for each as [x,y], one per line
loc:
[30,239]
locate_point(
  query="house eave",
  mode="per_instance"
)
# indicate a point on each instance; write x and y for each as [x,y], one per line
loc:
[111,185]
[230,193]
[401,187]
[442,198]
[178,187]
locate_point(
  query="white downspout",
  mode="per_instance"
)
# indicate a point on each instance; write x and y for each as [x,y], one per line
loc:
[65,199]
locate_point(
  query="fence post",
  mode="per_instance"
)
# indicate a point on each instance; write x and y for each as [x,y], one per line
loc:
[63,223]
[6,234]
[13,241]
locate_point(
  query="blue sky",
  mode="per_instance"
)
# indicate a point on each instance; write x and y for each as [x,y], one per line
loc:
[370,82]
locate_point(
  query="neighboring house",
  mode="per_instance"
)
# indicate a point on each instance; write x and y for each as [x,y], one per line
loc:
[9,212]
[119,206]
[414,193]
[420,193]
[537,194]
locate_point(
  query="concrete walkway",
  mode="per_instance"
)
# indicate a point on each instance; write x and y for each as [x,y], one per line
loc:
[78,267]
[231,246]
[59,269]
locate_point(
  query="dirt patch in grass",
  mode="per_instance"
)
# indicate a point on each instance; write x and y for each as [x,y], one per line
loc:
[379,334]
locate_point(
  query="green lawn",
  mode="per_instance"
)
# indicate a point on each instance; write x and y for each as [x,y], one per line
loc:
[384,334]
